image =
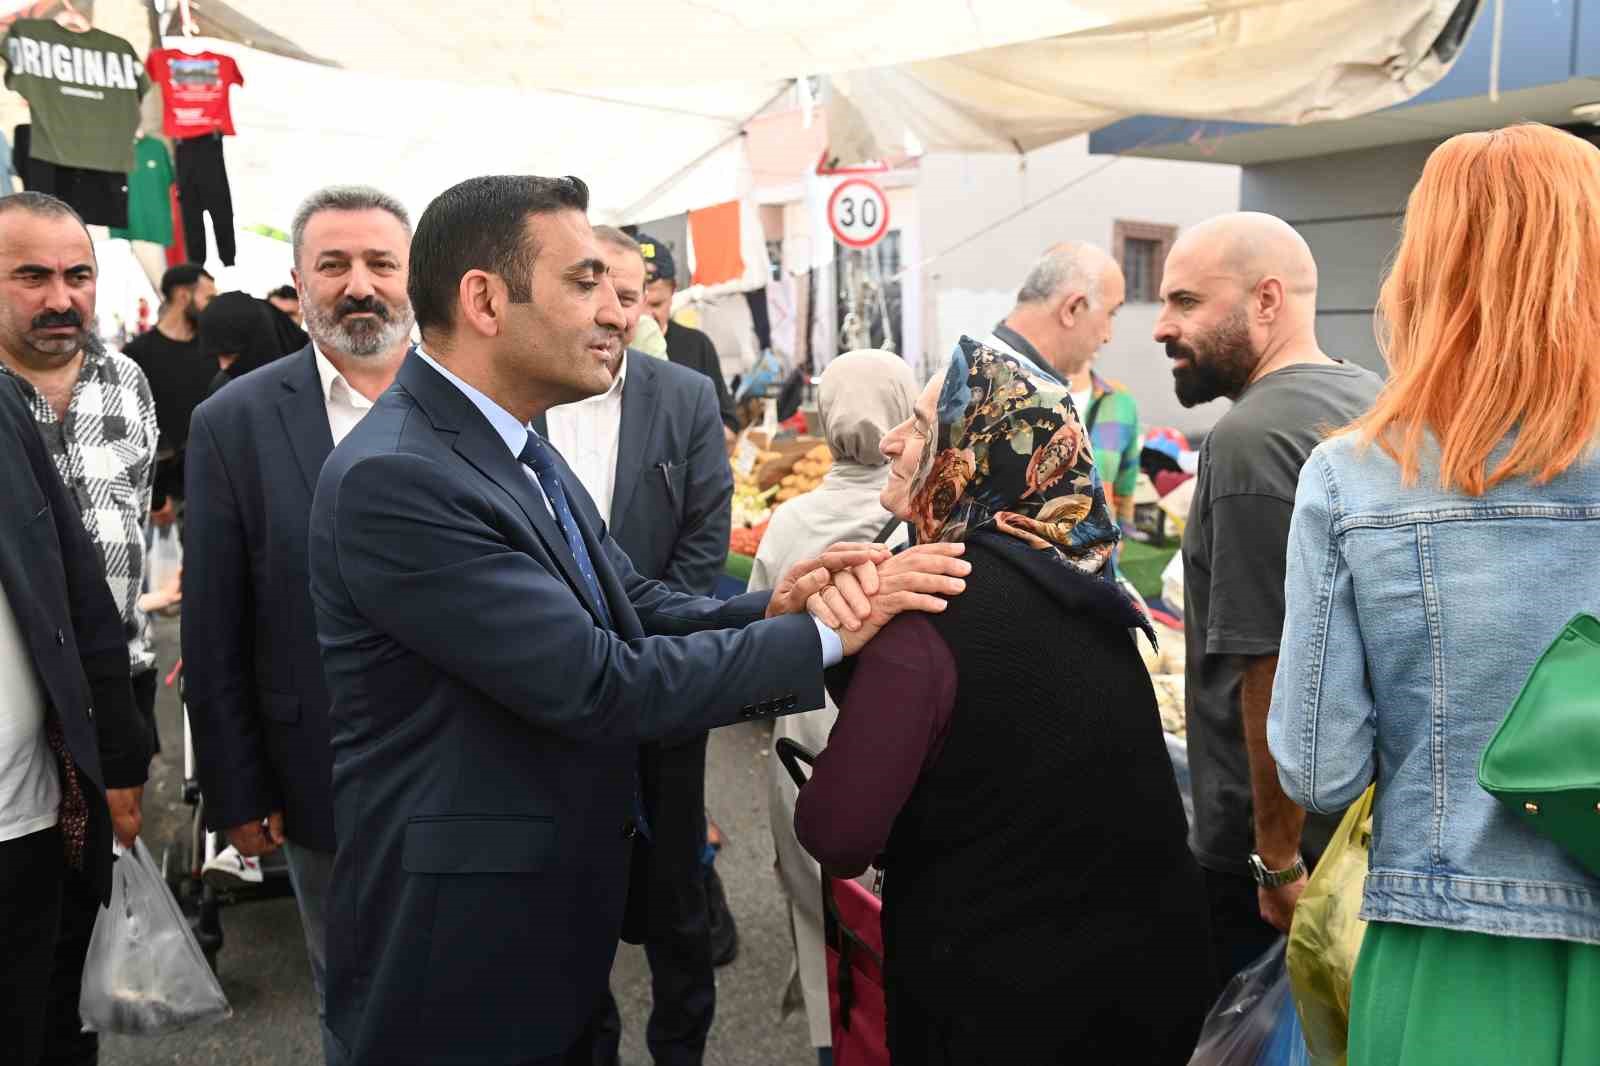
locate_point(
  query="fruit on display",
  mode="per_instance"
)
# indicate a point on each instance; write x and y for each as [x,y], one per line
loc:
[807,474]
[751,505]
[764,477]
[746,540]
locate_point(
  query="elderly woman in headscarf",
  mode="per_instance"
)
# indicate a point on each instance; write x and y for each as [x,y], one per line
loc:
[1002,761]
[861,396]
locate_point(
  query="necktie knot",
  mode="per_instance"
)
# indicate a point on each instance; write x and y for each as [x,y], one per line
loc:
[535,455]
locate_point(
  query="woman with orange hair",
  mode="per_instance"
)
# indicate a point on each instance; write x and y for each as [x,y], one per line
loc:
[1438,546]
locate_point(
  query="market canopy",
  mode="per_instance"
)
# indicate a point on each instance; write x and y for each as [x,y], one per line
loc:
[647,100]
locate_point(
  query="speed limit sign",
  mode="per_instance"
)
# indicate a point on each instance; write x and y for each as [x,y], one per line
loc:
[858,213]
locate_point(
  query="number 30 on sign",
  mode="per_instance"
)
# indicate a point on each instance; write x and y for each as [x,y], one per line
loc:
[858,213]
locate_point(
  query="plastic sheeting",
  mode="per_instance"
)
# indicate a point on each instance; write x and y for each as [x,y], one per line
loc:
[646,99]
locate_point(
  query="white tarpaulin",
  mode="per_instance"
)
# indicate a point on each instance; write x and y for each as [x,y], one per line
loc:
[1287,62]
[645,99]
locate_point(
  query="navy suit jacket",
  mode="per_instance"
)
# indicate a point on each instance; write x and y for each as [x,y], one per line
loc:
[56,586]
[485,730]
[258,704]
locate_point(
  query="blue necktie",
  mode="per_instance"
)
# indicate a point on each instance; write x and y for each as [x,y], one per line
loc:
[536,455]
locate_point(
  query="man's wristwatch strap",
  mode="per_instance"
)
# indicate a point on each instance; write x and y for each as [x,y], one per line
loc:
[1276,878]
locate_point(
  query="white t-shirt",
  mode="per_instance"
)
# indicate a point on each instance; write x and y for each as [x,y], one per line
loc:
[1080,400]
[30,782]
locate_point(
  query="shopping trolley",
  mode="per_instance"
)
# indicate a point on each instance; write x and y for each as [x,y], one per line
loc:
[853,941]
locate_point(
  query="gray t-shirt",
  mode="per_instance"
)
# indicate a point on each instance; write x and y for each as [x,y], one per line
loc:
[1234,549]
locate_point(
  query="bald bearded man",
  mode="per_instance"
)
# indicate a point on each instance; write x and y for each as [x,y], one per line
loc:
[1238,318]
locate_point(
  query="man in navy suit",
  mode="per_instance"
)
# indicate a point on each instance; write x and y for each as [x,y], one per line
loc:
[649,452]
[258,705]
[495,660]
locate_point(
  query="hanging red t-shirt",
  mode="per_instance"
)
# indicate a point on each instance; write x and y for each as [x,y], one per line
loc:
[194,91]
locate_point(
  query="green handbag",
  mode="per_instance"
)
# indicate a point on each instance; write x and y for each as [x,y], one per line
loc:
[1544,760]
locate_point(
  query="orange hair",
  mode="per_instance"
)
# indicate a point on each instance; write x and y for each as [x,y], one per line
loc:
[1490,316]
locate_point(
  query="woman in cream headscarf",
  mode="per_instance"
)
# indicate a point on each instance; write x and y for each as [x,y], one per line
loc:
[862,395]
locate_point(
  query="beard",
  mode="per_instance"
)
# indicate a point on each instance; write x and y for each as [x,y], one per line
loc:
[1220,363]
[361,338]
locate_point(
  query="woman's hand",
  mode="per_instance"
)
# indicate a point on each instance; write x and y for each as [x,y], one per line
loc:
[809,577]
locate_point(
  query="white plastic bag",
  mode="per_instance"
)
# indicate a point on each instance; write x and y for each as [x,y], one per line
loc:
[145,973]
[164,558]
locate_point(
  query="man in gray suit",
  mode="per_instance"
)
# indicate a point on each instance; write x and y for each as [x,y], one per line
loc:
[650,452]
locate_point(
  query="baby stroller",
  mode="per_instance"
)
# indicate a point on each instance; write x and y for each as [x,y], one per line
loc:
[202,901]
[853,942]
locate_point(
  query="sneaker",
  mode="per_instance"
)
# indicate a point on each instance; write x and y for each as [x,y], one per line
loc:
[724,934]
[230,870]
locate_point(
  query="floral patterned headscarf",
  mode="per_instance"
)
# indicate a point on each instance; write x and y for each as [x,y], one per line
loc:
[1012,455]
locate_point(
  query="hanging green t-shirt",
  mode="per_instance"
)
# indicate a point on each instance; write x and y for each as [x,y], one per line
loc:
[149,197]
[83,90]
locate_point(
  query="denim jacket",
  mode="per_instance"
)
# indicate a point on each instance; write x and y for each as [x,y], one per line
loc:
[1413,617]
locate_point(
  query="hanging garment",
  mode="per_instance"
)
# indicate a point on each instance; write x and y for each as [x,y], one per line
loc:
[100,196]
[178,250]
[83,92]
[194,91]
[714,233]
[149,202]
[203,187]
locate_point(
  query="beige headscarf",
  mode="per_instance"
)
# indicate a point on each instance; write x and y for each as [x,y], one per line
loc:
[862,396]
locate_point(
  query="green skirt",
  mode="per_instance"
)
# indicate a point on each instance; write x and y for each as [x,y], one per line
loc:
[1438,997]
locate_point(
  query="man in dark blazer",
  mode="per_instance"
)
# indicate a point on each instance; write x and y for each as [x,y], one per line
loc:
[495,660]
[71,738]
[649,452]
[258,704]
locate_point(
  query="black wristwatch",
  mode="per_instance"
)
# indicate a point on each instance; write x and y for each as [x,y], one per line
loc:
[1276,878]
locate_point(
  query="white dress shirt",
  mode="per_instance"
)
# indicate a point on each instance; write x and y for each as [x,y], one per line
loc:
[586,434]
[30,784]
[345,405]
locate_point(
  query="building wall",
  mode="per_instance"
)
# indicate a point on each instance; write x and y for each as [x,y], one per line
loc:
[977,247]
[1349,207]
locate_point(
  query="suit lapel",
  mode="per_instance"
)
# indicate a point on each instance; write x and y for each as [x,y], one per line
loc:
[477,442]
[305,417]
[638,424]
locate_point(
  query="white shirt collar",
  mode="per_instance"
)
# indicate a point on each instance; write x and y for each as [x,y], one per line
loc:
[329,376]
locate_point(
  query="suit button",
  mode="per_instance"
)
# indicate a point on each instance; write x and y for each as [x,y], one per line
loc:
[61,639]
[90,712]
[630,829]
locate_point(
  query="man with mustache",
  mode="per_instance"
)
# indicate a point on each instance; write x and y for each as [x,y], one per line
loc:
[94,411]
[258,705]
[1238,317]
